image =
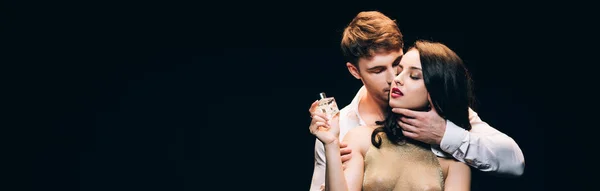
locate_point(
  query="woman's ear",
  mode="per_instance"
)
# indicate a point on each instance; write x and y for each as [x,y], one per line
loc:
[429,103]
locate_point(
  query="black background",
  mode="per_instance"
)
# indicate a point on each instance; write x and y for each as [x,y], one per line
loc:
[184,96]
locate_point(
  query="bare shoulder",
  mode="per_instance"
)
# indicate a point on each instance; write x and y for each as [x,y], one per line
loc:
[360,130]
[457,175]
[445,163]
[452,165]
[449,162]
[359,137]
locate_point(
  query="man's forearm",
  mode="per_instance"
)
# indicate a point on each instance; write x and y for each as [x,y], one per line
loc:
[484,148]
[497,153]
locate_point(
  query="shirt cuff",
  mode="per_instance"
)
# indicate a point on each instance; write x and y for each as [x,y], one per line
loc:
[454,137]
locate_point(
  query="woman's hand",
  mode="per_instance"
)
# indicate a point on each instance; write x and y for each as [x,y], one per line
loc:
[327,131]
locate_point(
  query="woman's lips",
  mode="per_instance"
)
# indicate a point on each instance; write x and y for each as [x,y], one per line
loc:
[396,93]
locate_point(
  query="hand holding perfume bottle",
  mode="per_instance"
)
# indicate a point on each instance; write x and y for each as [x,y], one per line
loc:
[329,130]
[327,105]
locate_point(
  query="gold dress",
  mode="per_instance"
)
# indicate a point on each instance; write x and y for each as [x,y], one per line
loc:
[408,166]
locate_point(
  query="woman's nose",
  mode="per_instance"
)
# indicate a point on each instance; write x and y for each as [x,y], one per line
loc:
[398,80]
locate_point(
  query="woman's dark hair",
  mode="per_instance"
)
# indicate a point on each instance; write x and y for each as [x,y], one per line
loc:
[448,84]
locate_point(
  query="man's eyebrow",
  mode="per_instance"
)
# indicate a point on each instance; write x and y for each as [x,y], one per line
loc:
[397,60]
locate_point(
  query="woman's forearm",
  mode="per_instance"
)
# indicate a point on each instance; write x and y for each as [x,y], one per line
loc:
[335,179]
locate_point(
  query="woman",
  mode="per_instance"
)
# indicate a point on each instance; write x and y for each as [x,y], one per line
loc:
[430,76]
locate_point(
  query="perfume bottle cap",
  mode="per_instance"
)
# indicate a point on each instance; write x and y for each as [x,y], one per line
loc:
[322,94]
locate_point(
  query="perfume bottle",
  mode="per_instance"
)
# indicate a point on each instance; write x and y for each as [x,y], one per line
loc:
[327,105]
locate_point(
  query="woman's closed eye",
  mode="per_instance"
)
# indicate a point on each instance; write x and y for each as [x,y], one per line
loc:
[415,76]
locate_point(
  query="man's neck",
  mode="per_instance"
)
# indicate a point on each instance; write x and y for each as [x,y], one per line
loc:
[371,109]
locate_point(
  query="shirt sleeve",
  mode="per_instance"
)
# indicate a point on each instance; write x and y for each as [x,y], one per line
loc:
[483,148]
[318,178]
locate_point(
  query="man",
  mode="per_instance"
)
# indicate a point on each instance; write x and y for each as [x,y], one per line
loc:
[372,45]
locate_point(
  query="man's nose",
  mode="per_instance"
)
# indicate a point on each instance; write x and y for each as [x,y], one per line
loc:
[390,77]
[398,80]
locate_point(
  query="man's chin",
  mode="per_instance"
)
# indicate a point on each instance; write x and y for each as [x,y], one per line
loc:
[386,95]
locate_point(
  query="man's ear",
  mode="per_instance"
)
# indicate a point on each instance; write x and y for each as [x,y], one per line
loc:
[353,70]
